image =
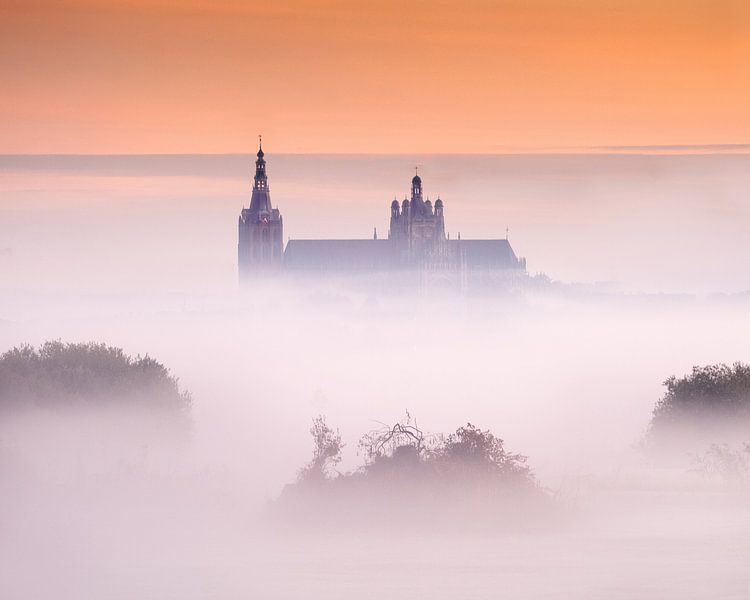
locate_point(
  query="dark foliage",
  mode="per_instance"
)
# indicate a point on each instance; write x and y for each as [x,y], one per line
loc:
[404,454]
[60,375]
[464,481]
[709,405]
[471,452]
[720,391]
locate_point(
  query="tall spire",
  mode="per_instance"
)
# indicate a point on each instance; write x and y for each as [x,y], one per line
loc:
[261,180]
[261,199]
[261,228]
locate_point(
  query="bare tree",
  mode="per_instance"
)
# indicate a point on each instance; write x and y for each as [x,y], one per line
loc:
[388,439]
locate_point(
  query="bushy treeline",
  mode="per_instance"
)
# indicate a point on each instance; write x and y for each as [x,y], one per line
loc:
[404,450]
[60,375]
[710,405]
[711,392]
[721,390]
[464,477]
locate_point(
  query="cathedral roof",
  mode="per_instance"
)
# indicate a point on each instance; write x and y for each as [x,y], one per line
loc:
[368,255]
[485,253]
[340,255]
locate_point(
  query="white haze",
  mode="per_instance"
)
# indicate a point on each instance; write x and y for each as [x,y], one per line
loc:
[140,252]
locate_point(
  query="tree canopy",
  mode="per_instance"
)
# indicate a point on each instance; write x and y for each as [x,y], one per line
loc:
[709,401]
[403,456]
[721,390]
[59,375]
[465,479]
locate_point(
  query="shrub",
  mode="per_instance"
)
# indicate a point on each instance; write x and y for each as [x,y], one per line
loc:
[720,390]
[60,375]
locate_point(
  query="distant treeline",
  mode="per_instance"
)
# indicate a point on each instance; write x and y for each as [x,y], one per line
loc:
[404,448]
[60,375]
[466,478]
[710,402]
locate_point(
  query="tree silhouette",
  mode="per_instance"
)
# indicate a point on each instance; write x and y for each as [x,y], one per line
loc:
[60,375]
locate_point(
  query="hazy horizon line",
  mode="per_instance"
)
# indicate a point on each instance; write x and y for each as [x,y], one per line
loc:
[654,149]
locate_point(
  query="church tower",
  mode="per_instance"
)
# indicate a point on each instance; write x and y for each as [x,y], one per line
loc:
[261,229]
[417,228]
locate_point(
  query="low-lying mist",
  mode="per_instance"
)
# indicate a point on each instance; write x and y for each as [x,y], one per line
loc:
[104,506]
[111,498]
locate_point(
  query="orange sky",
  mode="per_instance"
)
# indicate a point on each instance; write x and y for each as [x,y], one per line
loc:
[346,76]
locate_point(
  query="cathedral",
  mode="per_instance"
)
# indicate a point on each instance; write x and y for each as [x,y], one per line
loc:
[416,243]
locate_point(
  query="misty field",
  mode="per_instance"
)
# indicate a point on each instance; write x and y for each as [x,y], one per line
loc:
[108,504]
